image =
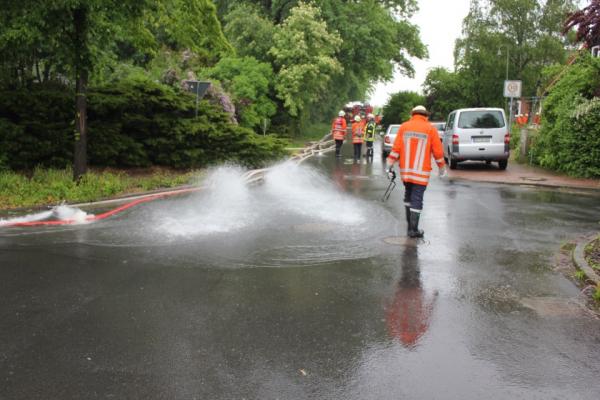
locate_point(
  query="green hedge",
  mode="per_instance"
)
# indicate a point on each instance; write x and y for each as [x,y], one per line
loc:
[569,140]
[130,124]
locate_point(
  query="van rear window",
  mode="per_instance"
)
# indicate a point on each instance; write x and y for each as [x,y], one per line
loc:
[480,119]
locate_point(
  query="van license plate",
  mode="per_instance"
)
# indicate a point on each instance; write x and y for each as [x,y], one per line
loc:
[482,139]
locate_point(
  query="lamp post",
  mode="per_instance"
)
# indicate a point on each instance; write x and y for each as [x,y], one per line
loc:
[507,55]
[506,78]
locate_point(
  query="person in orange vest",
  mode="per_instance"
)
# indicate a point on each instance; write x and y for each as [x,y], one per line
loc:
[358,132]
[338,131]
[416,141]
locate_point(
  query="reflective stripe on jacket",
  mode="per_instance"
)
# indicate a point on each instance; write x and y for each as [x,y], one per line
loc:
[370,131]
[338,128]
[358,132]
[417,140]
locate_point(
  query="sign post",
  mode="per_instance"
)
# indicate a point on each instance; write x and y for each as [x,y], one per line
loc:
[197,87]
[512,89]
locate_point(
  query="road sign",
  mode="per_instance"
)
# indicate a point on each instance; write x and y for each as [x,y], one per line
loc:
[512,89]
[197,87]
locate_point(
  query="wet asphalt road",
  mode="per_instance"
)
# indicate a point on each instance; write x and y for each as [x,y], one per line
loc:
[303,288]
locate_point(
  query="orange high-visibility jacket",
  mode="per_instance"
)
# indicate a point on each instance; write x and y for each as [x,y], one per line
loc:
[415,142]
[338,128]
[358,131]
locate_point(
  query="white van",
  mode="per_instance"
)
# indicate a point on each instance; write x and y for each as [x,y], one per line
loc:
[479,134]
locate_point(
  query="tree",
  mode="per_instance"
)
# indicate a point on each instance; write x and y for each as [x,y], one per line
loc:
[249,82]
[74,33]
[304,55]
[189,25]
[72,40]
[250,32]
[587,23]
[397,109]
[445,91]
[376,39]
[525,30]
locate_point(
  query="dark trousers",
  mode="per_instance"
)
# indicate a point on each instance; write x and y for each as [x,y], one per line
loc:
[338,147]
[413,196]
[357,150]
[369,149]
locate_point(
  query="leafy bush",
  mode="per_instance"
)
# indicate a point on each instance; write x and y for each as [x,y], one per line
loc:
[515,137]
[569,140]
[134,123]
[36,127]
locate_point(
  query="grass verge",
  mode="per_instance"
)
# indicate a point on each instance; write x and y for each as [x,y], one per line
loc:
[53,186]
[311,132]
[592,253]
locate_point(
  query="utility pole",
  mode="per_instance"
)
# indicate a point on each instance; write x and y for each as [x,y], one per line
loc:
[506,75]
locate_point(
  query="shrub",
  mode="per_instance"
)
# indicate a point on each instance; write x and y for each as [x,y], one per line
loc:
[133,123]
[569,140]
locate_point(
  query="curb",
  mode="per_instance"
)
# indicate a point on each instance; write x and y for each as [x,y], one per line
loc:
[583,189]
[578,256]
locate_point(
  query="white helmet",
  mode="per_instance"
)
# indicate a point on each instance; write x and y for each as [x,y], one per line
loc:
[420,110]
[341,114]
[357,118]
[370,116]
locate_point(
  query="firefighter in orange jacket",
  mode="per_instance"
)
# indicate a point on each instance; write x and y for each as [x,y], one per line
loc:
[338,131]
[358,136]
[417,140]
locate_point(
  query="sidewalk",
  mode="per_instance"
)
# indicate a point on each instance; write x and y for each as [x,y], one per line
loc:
[519,174]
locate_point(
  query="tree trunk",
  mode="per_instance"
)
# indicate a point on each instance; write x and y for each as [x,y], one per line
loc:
[80,161]
[37,70]
[80,16]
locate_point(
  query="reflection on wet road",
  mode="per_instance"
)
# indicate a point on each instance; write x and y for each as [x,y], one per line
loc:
[409,313]
[303,288]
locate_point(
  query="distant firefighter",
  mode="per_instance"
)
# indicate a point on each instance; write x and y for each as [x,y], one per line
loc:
[338,131]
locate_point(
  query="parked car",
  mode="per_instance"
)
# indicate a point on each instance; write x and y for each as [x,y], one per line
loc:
[476,134]
[388,139]
[441,127]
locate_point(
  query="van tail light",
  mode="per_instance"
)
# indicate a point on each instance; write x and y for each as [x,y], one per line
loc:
[507,138]
[455,139]
[387,139]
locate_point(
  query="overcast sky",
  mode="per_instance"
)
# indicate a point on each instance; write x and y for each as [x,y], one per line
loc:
[440,23]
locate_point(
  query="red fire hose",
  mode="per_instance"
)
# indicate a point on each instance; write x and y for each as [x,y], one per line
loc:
[106,214]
